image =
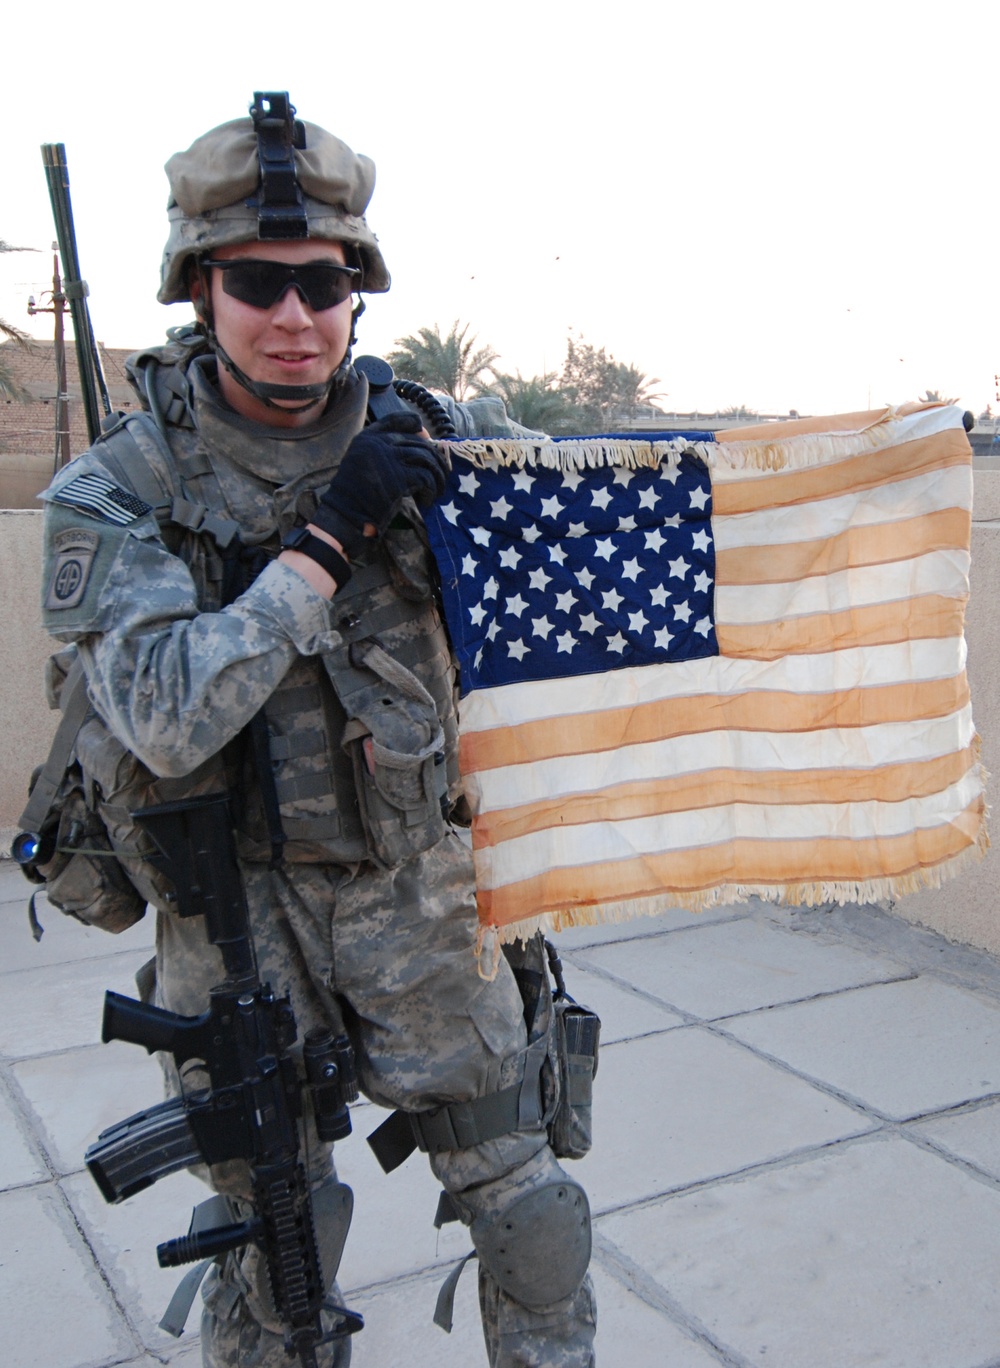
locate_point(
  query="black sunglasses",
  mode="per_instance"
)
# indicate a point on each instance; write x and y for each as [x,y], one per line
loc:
[322,284]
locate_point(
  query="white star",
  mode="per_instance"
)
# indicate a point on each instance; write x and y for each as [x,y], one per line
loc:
[699,498]
[589,624]
[663,638]
[477,614]
[612,599]
[617,643]
[517,649]
[493,631]
[516,605]
[523,481]
[648,497]
[669,472]
[509,557]
[632,569]
[601,497]
[468,565]
[551,508]
[703,626]
[557,554]
[585,577]
[538,579]
[605,548]
[566,642]
[490,588]
[564,602]
[673,521]
[700,541]
[481,536]
[531,533]
[626,524]
[682,613]
[637,621]
[451,513]
[654,539]
[577,530]
[659,596]
[500,507]
[702,582]
[623,475]
[468,484]
[679,567]
[572,479]
[541,627]
[478,660]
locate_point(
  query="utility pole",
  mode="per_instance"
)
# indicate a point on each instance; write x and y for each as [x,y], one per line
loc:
[57,308]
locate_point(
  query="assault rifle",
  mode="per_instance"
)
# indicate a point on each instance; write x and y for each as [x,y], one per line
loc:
[88,358]
[253,1100]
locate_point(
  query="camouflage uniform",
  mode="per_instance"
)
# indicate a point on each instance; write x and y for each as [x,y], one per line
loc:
[366,917]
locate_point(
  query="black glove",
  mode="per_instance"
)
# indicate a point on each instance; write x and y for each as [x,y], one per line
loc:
[386,462]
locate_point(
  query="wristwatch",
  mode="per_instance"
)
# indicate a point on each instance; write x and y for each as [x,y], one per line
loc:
[301,539]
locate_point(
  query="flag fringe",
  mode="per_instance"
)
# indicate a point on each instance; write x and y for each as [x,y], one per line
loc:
[815,894]
[787,453]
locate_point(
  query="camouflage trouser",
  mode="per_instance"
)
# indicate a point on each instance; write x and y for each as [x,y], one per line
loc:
[396,948]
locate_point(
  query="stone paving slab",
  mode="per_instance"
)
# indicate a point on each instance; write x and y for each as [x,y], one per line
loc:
[873,1253]
[57,1313]
[903,1048]
[75,1095]
[624,1014]
[399,1329]
[685,1106]
[20,1162]
[63,1006]
[973,1136]
[736,966]
[639,928]
[124,1238]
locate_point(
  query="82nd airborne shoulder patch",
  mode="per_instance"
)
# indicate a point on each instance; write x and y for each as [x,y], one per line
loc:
[75,550]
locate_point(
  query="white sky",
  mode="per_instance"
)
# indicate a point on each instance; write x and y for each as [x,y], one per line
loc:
[778,204]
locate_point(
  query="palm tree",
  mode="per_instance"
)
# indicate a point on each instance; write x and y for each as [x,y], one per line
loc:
[535,402]
[450,364]
[9,387]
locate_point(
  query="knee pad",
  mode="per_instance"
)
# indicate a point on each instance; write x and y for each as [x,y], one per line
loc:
[537,1249]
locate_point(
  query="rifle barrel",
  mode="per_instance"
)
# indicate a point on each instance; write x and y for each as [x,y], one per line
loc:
[92,382]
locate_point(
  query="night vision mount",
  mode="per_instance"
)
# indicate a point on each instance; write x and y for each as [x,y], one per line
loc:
[280,210]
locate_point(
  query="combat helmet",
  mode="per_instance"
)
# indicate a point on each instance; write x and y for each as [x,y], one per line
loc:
[266,177]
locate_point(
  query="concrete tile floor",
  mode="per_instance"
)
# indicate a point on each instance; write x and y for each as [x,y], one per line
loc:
[797,1156]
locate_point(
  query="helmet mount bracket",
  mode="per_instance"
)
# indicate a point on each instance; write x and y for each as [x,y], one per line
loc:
[281,213]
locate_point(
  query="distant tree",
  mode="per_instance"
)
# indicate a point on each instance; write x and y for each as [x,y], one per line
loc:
[534,403]
[603,391]
[451,364]
[9,387]
[739,411]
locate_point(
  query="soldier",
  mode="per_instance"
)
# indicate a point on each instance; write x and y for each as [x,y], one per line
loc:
[252,602]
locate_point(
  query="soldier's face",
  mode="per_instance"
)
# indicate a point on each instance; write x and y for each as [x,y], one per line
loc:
[289,343]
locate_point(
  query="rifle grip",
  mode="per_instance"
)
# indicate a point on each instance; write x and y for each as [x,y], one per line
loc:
[138,1023]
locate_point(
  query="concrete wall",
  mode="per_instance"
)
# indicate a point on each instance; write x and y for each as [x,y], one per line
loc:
[966,909]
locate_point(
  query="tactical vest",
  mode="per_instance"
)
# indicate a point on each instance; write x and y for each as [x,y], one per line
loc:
[360,744]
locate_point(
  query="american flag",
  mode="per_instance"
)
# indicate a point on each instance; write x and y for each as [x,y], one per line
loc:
[697,668]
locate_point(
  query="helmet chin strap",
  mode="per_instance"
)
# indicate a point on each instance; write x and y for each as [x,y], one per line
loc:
[294,398]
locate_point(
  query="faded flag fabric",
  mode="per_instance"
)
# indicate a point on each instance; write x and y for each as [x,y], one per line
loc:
[700,667]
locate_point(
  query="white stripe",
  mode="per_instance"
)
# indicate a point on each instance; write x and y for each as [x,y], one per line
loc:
[884,743]
[820,519]
[563,847]
[937,572]
[827,672]
[732,465]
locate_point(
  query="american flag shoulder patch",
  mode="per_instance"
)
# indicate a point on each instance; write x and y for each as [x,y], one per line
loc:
[102,498]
